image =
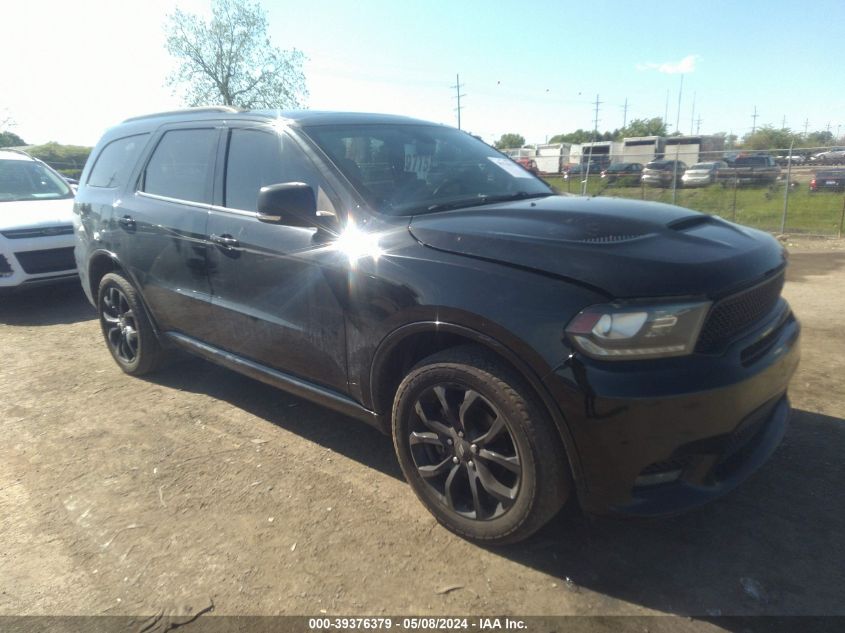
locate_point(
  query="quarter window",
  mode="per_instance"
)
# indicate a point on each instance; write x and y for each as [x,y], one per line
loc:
[116,160]
[181,165]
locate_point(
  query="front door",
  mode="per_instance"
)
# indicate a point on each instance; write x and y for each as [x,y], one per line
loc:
[273,299]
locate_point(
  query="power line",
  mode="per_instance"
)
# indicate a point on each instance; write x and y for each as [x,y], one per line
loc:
[458,95]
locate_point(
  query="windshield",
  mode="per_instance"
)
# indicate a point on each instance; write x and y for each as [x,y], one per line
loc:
[28,180]
[411,169]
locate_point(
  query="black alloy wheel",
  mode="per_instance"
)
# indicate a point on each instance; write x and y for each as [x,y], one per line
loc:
[126,327]
[121,329]
[477,446]
[464,451]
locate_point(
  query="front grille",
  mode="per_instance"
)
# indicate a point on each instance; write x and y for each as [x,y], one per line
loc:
[47,261]
[41,231]
[733,314]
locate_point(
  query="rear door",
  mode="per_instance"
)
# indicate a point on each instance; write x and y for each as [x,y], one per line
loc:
[165,225]
[274,300]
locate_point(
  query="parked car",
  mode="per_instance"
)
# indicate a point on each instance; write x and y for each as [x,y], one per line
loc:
[579,170]
[622,171]
[521,347]
[828,180]
[36,223]
[832,156]
[755,169]
[702,174]
[662,172]
[795,159]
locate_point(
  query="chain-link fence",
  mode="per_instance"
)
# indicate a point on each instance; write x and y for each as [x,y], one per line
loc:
[797,193]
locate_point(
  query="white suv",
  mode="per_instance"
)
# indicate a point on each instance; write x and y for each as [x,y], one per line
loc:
[36,223]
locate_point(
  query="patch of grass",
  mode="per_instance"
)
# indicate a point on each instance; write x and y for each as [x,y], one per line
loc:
[759,206]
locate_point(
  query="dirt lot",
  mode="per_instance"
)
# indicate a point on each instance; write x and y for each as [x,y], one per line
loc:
[200,487]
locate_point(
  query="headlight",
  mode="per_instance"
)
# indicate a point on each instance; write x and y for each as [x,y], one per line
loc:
[631,331]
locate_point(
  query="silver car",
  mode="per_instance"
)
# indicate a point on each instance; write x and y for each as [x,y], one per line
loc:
[703,174]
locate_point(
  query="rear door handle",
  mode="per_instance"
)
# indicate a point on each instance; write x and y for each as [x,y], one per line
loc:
[226,241]
[127,222]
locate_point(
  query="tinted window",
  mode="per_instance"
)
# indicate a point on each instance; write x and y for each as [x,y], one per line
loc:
[116,160]
[257,158]
[254,160]
[181,165]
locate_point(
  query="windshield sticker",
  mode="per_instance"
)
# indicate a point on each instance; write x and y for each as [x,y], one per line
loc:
[509,166]
[418,164]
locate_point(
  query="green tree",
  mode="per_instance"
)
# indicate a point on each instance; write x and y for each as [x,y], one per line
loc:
[10,139]
[578,136]
[644,127]
[230,60]
[510,140]
[770,137]
[819,138]
[67,159]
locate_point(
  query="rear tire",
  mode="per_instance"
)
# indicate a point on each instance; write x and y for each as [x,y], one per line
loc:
[126,327]
[477,447]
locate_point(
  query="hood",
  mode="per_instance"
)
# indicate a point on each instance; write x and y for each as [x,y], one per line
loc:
[625,248]
[22,214]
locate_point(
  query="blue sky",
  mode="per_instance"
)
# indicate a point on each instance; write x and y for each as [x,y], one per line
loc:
[534,68]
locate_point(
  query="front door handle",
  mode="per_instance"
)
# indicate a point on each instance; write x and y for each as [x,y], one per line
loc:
[226,241]
[127,222]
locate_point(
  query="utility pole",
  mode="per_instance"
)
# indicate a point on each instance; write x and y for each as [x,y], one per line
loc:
[625,114]
[806,125]
[698,126]
[458,94]
[666,111]
[754,119]
[590,153]
[783,123]
[692,117]
[680,95]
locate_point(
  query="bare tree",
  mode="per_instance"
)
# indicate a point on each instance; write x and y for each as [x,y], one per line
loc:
[230,60]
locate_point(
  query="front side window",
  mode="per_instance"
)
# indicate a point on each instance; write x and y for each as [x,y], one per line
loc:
[30,180]
[116,160]
[257,158]
[181,165]
[403,169]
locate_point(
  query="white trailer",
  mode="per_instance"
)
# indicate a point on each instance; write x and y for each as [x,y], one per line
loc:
[642,149]
[551,158]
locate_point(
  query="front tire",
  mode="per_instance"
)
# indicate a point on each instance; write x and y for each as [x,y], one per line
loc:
[477,447]
[126,328]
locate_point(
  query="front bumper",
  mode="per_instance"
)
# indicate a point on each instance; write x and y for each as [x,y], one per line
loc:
[659,437]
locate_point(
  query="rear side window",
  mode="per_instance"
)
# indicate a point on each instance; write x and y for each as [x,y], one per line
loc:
[116,160]
[181,165]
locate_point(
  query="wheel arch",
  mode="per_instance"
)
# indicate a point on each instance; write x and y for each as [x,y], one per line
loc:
[103,262]
[410,343]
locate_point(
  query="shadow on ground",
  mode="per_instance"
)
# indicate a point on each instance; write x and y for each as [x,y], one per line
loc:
[341,434]
[803,265]
[772,547]
[46,305]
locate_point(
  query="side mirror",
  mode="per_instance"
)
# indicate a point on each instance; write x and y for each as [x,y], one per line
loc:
[292,203]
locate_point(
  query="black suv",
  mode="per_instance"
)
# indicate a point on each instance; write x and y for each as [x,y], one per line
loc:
[521,347]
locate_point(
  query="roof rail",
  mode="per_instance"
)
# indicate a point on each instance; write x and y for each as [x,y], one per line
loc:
[199,110]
